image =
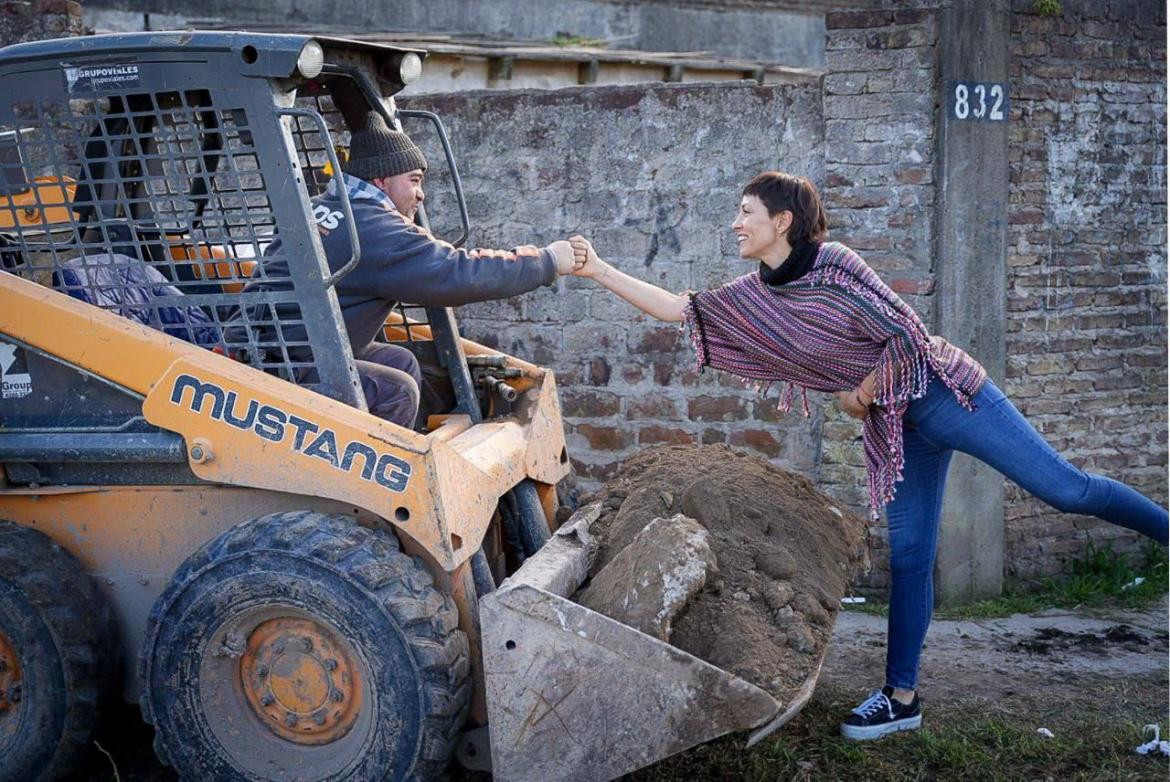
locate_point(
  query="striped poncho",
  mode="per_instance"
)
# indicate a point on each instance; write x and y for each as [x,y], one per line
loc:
[826,331]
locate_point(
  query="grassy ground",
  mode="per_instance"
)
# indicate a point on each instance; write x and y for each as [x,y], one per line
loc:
[961,741]
[1098,578]
[1097,722]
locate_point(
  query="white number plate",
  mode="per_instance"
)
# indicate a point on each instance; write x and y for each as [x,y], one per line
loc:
[977,100]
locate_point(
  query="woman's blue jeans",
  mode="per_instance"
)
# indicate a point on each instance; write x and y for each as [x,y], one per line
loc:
[935,426]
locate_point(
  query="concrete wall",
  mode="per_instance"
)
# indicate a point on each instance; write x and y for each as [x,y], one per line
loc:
[653,176]
[738,28]
[1086,327]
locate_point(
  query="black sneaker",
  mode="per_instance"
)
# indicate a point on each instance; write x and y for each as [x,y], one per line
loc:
[881,714]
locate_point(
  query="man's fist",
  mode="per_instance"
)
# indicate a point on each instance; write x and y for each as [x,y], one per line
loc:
[564,255]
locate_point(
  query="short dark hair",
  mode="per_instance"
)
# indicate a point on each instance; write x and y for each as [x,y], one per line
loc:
[782,192]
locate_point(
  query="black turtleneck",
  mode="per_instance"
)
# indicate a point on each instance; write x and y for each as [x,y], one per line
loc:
[795,266]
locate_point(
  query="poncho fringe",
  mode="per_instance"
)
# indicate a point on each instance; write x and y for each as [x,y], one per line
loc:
[805,336]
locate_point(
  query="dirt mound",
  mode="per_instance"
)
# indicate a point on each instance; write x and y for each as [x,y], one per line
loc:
[785,555]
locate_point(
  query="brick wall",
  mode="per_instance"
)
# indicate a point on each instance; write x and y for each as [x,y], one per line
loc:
[1086,331]
[879,98]
[653,176]
[21,21]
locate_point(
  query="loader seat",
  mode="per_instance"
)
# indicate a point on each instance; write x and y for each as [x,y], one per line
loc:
[216,264]
[131,288]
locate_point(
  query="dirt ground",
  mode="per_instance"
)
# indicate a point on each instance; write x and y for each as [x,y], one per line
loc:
[1051,653]
[1092,680]
[1053,669]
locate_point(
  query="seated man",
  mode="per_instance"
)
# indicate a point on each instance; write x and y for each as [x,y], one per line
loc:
[402,261]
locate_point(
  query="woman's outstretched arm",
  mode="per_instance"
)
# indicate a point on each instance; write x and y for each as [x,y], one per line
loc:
[649,298]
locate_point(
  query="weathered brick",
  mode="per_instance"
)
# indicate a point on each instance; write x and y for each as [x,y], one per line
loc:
[591,339]
[657,406]
[1095,363]
[606,438]
[653,435]
[1026,217]
[717,408]
[713,436]
[596,471]
[846,20]
[598,372]
[664,339]
[758,440]
[912,175]
[913,15]
[899,38]
[588,404]
[912,285]
[632,373]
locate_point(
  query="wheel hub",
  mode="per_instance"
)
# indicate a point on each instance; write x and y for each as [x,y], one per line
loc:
[10,686]
[301,681]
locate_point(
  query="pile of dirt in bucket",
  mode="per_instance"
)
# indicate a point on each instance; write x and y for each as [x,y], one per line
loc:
[759,562]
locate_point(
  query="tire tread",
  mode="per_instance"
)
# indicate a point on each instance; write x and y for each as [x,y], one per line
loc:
[400,584]
[82,626]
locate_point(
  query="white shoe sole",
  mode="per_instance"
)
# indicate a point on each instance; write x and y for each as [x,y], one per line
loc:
[868,733]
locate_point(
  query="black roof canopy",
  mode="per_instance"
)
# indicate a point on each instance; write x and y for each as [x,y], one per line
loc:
[268,55]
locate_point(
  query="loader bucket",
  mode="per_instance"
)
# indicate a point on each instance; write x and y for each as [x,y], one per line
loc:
[575,695]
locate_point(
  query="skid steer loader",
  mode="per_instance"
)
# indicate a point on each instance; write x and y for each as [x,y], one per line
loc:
[197,511]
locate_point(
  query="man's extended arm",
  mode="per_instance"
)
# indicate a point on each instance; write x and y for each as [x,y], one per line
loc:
[413,266]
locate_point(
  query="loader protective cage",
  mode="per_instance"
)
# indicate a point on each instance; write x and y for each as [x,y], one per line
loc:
[151,190]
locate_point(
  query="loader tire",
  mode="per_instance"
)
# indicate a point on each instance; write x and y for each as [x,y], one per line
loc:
[303,646]
[58,657]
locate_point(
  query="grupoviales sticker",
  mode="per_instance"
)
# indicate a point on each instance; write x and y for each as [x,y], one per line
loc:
[15,380]
[97,78]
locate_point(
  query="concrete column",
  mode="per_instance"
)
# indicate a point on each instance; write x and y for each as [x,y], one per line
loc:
[972,209]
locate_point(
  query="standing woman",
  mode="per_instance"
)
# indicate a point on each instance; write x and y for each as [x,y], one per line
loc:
[815,316]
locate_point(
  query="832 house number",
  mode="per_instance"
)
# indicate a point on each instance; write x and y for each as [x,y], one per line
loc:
[974,100]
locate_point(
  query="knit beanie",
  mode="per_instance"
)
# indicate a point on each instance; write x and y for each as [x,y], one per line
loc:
[375,151]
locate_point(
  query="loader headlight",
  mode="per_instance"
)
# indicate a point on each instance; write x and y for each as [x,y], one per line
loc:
[311,60]
[410,68]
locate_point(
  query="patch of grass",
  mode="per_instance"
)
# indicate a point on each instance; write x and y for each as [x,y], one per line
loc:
[1047,7]
[955,743]
[1101,574]
[1098,577]
[870,606]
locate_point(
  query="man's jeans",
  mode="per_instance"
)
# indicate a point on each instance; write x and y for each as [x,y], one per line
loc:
[935,425]
[390,380]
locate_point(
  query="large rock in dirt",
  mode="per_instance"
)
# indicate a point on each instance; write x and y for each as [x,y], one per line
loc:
[654,576]
[786,553]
